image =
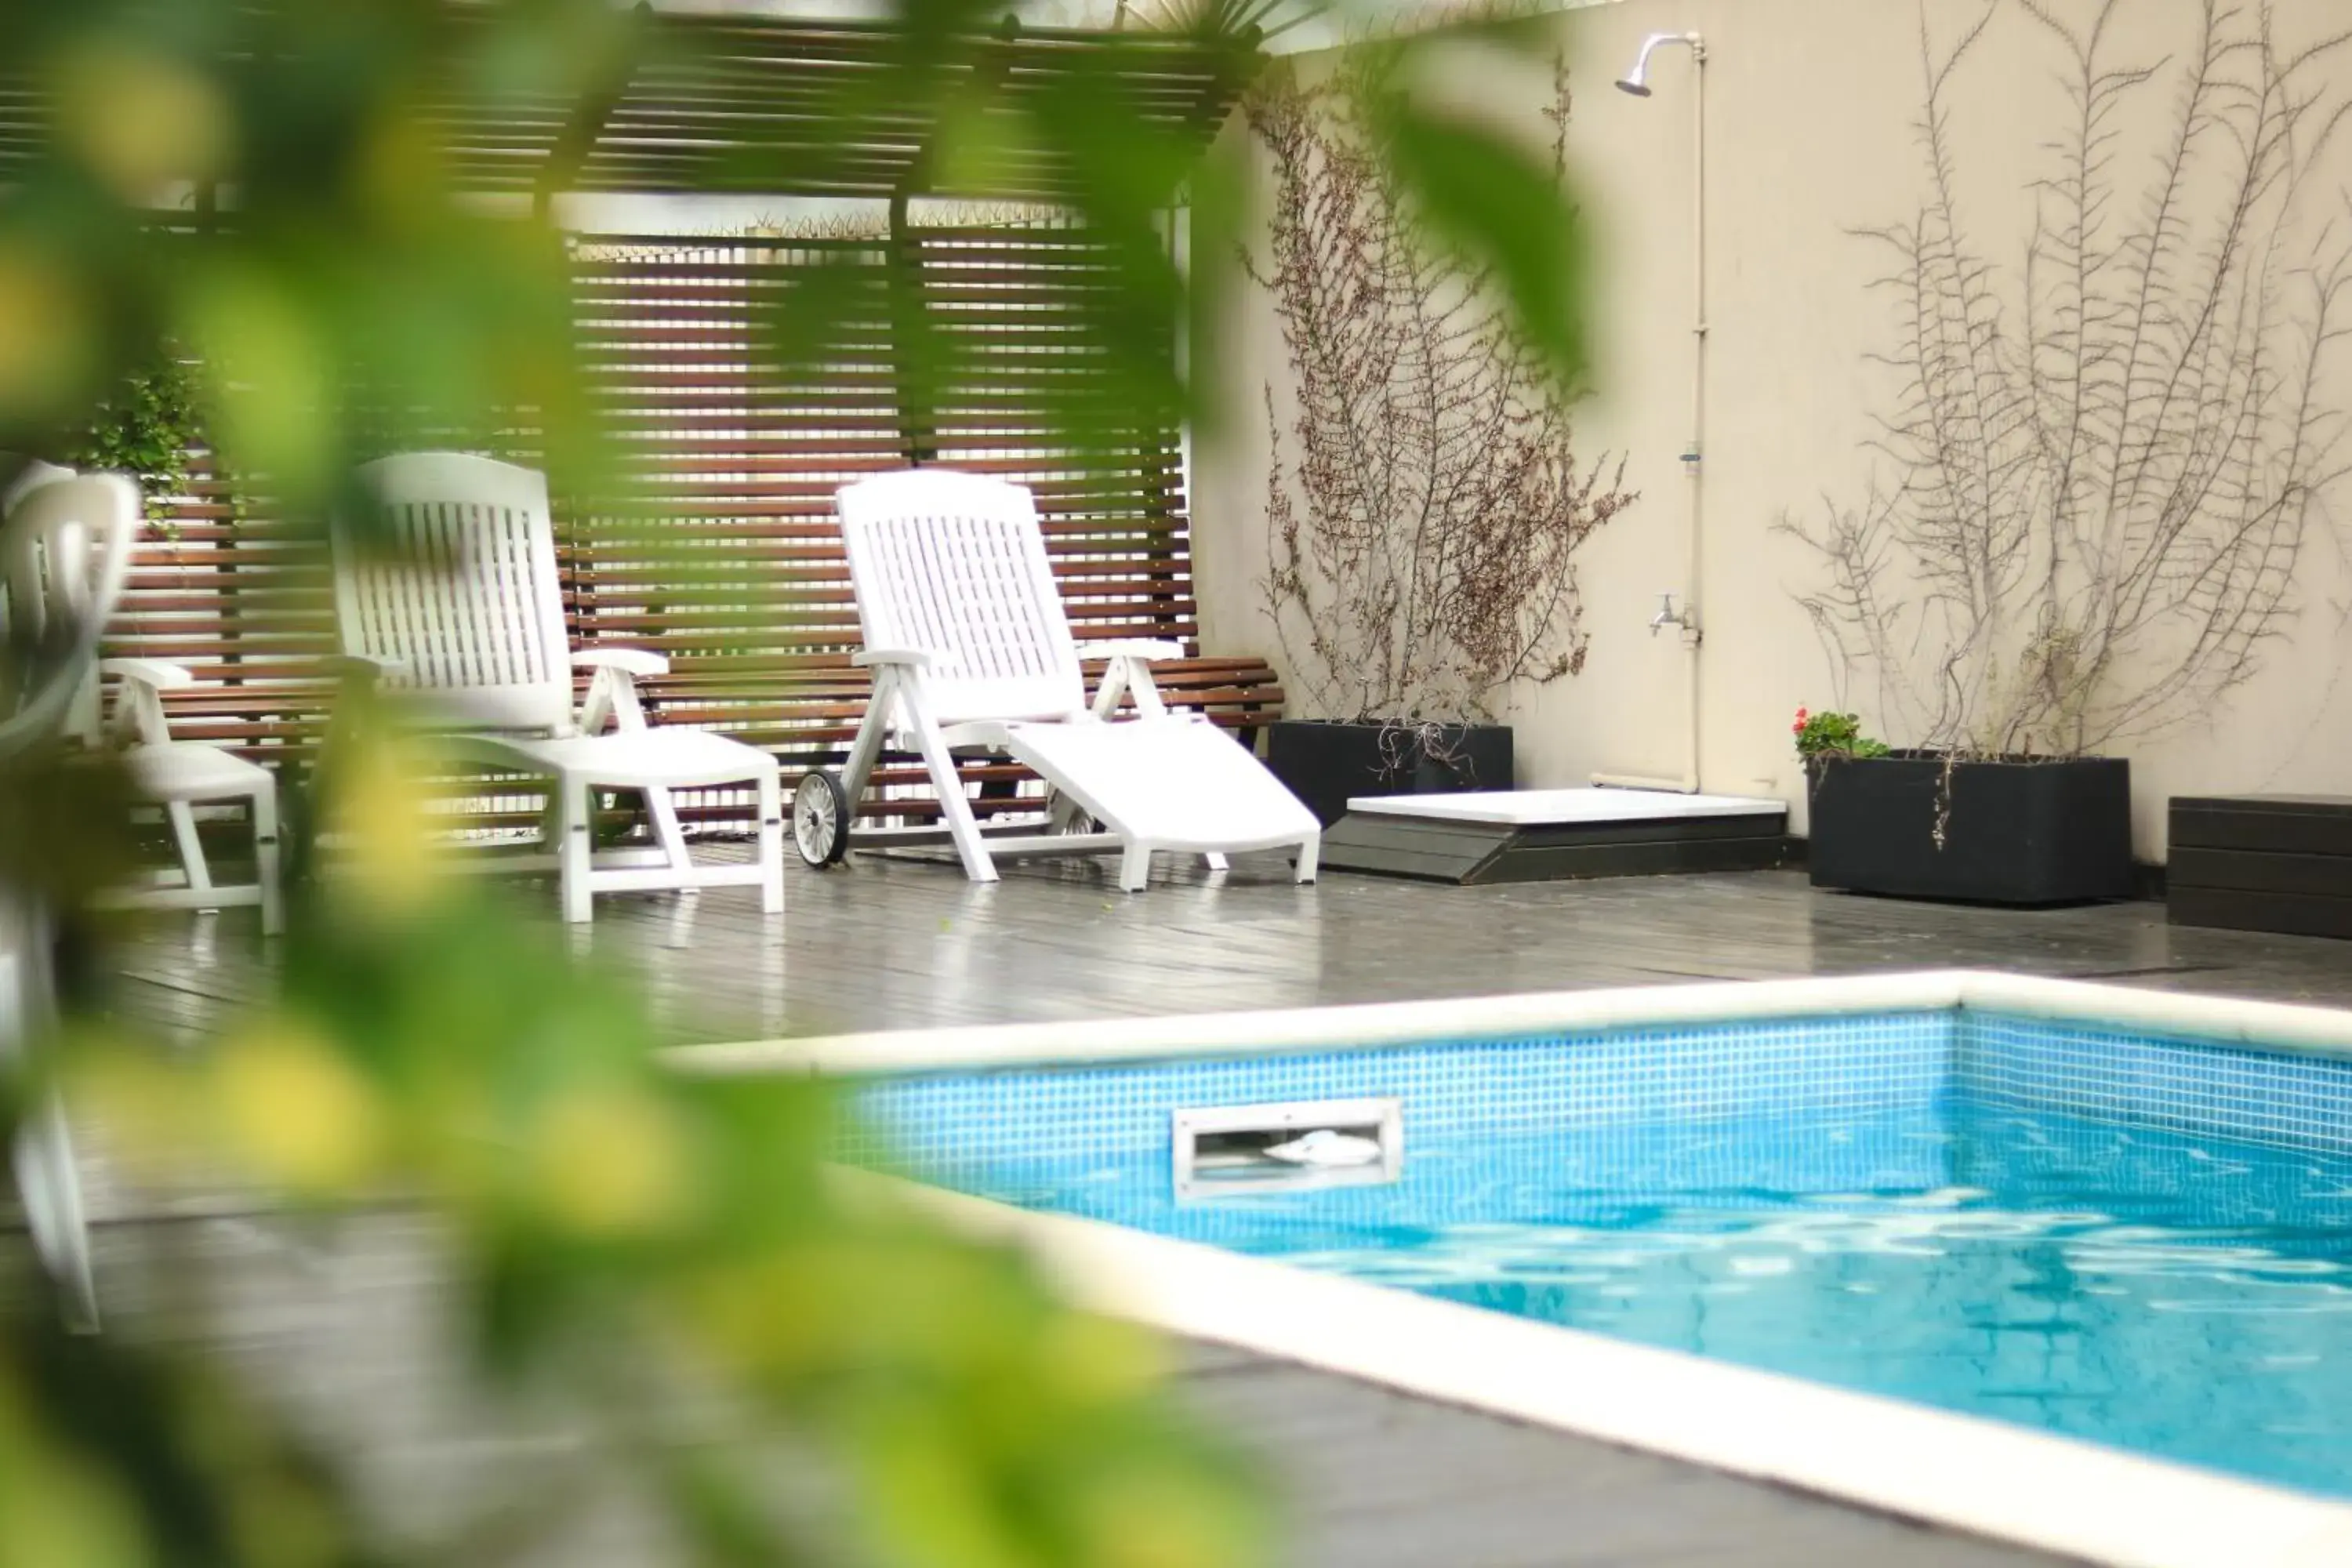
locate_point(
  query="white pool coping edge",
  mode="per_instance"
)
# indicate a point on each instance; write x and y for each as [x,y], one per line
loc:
[2271,1026]
[1987,1478]
[1981,1477]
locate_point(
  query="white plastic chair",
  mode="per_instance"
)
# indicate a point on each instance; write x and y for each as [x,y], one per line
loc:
[64,552]
[181,774]
[178,775]
[451,600]
[971,650]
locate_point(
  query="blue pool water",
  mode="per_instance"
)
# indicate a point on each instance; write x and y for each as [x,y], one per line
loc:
[2143,1242]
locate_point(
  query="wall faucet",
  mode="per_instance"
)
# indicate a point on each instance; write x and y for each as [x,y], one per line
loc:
[1685,619]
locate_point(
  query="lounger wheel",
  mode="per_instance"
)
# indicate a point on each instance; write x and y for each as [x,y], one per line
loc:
[1069,817]
[821,819]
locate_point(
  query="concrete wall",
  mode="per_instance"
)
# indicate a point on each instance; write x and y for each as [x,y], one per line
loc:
[1811,107]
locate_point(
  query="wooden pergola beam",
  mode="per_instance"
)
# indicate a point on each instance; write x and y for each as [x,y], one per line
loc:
[728,86]
[992,64]
[690,94]
[585,128]
[917,420]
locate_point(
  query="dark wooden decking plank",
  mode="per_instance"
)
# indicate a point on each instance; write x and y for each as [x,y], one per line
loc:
[2261,871]
[344,1328]
[900,944]
[2238,908]
[1385,1481]
[2303,825]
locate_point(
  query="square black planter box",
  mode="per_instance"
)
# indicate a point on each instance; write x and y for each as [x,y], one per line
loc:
[2016,832]
[1326,763]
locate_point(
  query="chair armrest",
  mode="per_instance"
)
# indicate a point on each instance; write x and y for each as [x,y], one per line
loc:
[1145,648]
[161,674]
[913,656]
[1130,675]
[627,660]
[613,694]
[138,712]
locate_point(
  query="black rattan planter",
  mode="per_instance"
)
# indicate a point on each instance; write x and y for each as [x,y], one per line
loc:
[2015,833]
[1326,763]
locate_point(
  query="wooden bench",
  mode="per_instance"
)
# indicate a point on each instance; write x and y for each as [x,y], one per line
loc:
[2263,862]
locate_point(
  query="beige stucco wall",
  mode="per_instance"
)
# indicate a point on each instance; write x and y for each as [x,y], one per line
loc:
[1810,106]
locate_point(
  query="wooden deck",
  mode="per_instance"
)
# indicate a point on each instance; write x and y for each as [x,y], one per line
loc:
[898,943]
[341,1328]
[1375,1478]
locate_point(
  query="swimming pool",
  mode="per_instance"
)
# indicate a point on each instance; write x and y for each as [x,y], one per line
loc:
[2113,1216]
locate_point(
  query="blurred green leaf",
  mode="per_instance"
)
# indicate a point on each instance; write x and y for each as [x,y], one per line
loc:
[1497,204]
[269,186]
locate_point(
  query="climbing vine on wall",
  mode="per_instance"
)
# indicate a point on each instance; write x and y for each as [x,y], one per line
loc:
[1422,545]
[2108,450]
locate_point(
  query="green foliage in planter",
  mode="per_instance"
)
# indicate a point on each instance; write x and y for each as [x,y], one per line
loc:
[1833,735]
[145,428]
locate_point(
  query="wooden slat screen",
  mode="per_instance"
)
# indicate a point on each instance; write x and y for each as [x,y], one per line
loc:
[243,600]
[762,106]
[723,554]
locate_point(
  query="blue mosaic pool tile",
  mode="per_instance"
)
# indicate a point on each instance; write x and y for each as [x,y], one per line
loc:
[1634,1076]
[2212,1188]
[1694,1072]
[1594,1173]
[2137,1078]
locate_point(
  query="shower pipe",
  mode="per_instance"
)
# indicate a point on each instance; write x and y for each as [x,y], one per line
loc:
[1636,83]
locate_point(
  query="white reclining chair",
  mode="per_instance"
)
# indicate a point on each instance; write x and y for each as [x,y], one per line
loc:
[453,606]
[971,650]
[64,552]
[178,775]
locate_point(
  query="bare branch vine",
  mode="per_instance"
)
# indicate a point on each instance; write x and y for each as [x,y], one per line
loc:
[1420,553]
[2100,466]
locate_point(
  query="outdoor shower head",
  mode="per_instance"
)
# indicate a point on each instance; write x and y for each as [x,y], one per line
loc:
[1637,80]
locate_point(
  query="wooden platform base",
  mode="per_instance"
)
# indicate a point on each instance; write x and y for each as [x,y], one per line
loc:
[2264,862]
[1624,833]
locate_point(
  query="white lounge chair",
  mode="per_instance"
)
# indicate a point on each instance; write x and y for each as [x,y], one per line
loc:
[453,603]
[971,650]
[64,552]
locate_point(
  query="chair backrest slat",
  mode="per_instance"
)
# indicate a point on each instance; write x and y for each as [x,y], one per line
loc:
[454,573]
[955,563]
[65,553]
